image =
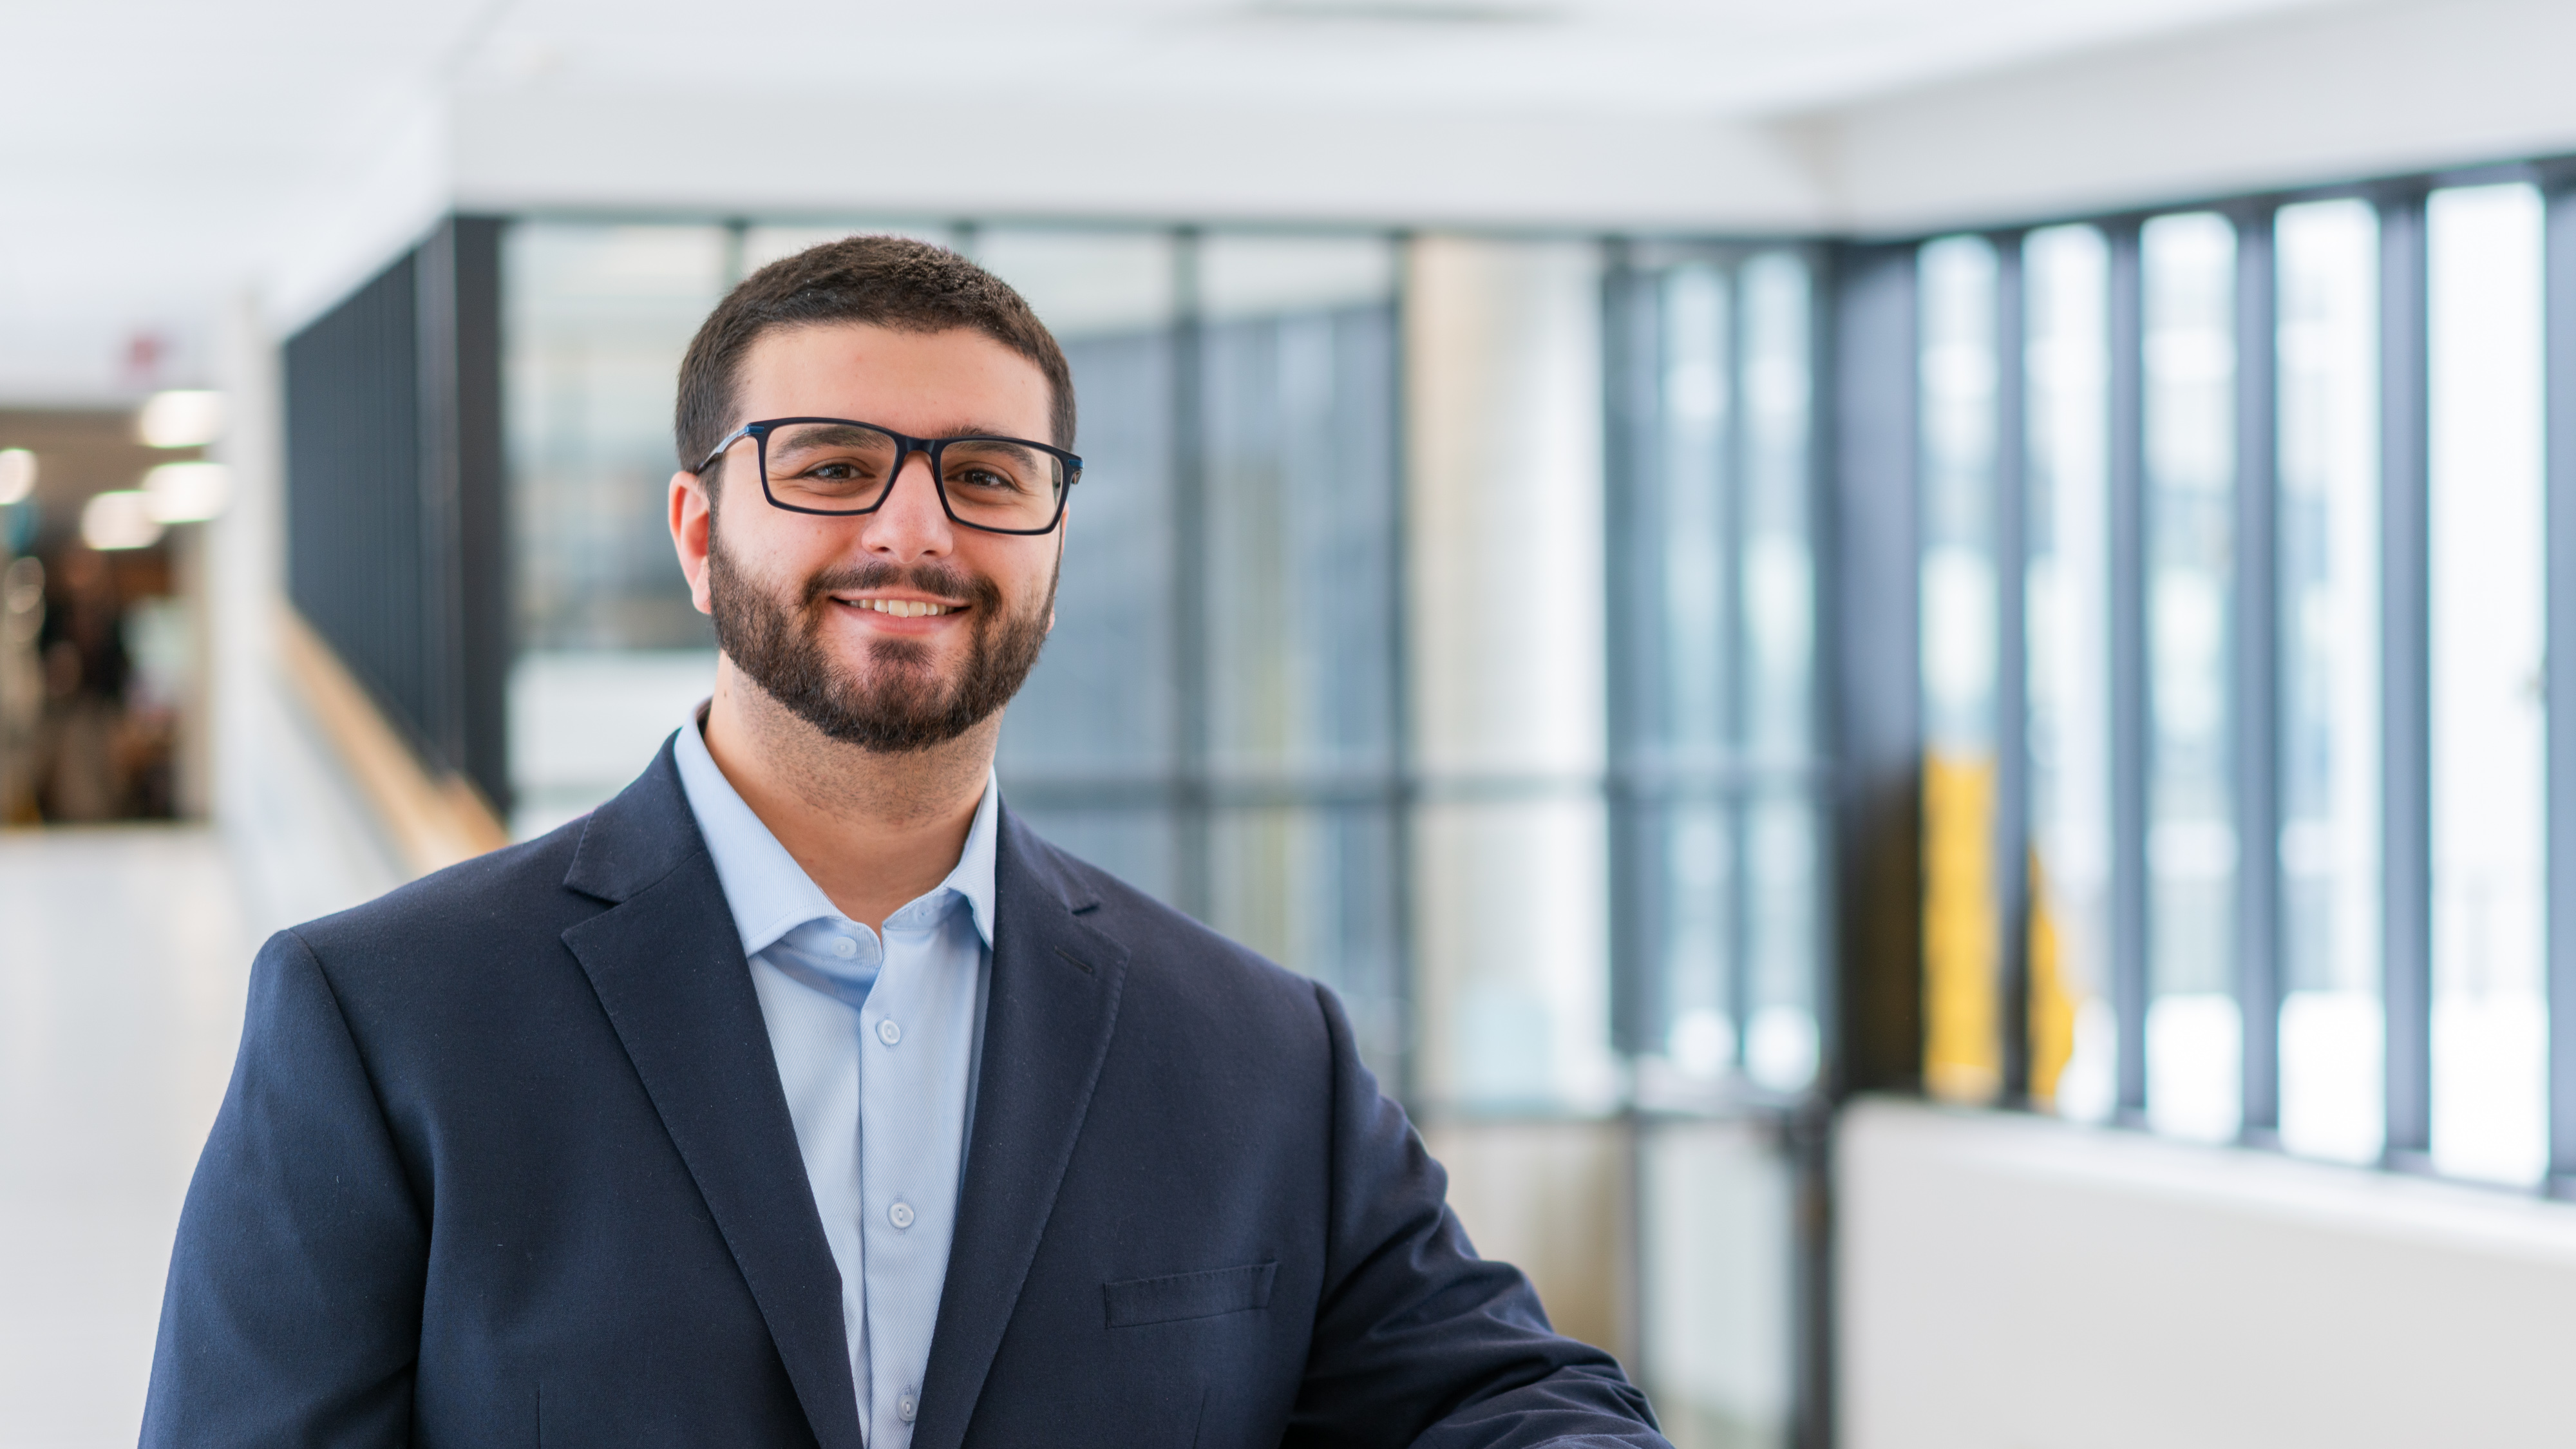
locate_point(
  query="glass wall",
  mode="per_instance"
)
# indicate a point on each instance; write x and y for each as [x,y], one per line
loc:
[610,653]
[2068,630]
[1301,527]
[1713,763]
[1506,673]
[2193,1042]
[2333,1034]
[1963,1033]
[2489,1024]
[1091,749]
[2325,416]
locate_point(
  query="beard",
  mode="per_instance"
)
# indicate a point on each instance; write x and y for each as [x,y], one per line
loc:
[903,703]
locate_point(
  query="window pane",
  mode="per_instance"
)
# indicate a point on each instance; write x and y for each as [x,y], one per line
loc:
[1717,1215]
[1314,889]
[1778,568]
[1776,578]
[610,652]
[1695,844]
[1503,424]
[2194,1046]
[1690,524]
[1962,1049]
[1299,431]
[1782,902]
[1513,941]
[1506,646]
[1137,844]
[2332,1038]
[2067,595]
[2489,1017]
[1100,704]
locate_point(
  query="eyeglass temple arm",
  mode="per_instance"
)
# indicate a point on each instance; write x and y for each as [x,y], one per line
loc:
[736,436]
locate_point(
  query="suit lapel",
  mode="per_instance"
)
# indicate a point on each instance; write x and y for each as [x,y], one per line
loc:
[1048,1018]
[669,970]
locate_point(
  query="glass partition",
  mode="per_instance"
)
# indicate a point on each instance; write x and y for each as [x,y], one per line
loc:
[1504,647]
[610,653]
[1963,1044]
[2194,1041]
[2333,1035]
[2490,1016]
[2066,592]
[1299,528]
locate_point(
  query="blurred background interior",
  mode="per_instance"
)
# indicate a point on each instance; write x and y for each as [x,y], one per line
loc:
[1894,649]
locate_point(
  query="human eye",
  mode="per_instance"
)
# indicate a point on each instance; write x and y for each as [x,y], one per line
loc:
[989,469]
[832,460]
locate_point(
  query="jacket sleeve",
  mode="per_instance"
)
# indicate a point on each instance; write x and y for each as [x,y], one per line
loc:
[292,1314]
[1419,1341]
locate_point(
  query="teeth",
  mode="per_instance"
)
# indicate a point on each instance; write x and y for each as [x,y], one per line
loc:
[903,608]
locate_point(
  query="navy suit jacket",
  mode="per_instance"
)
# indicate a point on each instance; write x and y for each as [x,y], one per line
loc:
[505,1161]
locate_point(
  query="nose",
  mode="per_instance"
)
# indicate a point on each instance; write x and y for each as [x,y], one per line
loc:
[910,523]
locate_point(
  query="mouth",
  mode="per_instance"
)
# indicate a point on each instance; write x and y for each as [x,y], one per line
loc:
[899,608]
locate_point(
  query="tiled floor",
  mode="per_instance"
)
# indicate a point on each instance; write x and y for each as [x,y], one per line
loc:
[123,958]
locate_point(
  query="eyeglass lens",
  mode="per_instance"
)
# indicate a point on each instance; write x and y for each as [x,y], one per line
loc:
[847,467]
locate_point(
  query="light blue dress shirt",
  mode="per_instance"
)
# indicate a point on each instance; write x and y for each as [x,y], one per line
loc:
[876,1044]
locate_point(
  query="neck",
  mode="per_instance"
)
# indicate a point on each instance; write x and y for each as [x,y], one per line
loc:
[872,830]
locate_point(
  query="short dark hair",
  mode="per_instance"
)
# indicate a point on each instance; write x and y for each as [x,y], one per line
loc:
[887,281]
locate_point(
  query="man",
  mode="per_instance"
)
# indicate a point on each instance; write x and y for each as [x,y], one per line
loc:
[801,1095]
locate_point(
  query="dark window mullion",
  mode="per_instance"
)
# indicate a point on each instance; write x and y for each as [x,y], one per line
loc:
[2406,837]
[1194,828]
[2559,713]
[2128,703]
[2012,675]
[1640,994]
[2257,648]
[1735,702]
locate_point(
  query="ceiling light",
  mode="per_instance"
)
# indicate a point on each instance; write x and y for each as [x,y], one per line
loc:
[17,475]
[187,492]
[185,419]
[120,520]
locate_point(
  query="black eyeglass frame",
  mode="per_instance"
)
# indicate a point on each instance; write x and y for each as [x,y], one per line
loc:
[931,448]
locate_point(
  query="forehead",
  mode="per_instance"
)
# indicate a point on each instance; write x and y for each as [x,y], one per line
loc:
[916,382]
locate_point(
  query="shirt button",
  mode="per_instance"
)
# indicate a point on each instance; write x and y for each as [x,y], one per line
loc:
[844,946]
[900,1215]
[904,1407]
[889,1033]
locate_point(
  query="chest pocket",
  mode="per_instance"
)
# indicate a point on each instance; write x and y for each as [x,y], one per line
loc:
[1203,1294]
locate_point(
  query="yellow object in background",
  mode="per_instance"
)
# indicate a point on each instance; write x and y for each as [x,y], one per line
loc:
[1962,1037]
[2054,995]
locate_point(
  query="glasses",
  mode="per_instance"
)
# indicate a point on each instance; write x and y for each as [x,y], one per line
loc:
[839,468]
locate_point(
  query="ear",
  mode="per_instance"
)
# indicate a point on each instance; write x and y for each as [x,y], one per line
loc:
[692,517]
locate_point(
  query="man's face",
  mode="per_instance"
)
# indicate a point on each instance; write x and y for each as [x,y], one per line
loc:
[834,617]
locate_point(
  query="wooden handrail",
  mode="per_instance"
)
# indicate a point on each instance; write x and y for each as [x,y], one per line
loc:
[433,820]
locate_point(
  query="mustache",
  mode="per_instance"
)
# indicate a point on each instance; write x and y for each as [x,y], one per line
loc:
[943,580]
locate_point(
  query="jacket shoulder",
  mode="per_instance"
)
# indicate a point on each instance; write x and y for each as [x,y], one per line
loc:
[472,897]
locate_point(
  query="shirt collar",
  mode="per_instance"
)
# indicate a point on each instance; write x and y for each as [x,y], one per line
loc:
[769,893]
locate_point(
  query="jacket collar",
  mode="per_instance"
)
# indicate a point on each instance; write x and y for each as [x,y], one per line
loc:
[1050,1011]
[668,966]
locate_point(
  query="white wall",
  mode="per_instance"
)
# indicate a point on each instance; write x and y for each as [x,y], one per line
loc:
[2314,94]
[2310,97]
[632,148]
[2015,1283]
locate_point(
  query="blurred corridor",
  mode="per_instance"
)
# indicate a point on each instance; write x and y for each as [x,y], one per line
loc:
[122,964]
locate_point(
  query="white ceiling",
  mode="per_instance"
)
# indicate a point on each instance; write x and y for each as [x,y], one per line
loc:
[160,158]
